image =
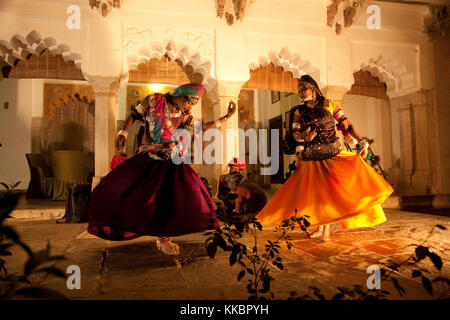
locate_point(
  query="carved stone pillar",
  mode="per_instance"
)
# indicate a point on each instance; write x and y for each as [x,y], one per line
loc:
[228,91]
[106,100]
[417,170]
[224,92]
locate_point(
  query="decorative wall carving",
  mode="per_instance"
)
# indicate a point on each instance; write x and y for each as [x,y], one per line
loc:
[142,43]
[58,95]
[104,7]
[232,10]
[69,120]
[349,10]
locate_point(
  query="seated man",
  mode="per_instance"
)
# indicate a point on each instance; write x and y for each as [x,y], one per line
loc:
[206,184]
[224,193]
[250,197]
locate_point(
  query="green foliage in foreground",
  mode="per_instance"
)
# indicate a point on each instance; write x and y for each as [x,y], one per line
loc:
[256,262]
[18,286]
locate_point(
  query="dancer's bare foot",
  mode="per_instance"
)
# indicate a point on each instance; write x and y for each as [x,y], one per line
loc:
[322,233]
[168,247]
[326,233]
[318,233]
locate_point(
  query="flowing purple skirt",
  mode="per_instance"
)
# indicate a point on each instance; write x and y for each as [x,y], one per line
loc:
[143,196]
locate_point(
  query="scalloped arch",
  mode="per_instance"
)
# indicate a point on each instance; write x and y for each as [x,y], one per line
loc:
[397,78]
[289,62]
[20,48]
[183,53]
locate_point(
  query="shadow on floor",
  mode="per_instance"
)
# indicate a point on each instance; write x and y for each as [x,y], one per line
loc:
[146,256]
[445,212]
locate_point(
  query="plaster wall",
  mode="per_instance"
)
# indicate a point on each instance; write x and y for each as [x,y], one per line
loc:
[372,118]
[15,131]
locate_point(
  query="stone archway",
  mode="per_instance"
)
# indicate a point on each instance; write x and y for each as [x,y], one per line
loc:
[292,63]
[176,52]
[164,70]
[169,61]
[278,72]
[399,81]
[402,116]
[20,49]
[368,108]
[148,49]
[30,58]
[141,44]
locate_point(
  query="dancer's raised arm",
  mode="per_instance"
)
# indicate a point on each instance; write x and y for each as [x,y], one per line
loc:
[217,123]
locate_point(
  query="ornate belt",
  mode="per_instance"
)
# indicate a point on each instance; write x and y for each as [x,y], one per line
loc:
[321,151]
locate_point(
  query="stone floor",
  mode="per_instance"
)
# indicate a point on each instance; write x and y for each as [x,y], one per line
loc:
[137,270]
[39,209]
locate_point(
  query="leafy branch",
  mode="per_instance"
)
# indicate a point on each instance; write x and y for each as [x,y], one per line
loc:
[19,284]
[420,253]
[10,187]
[359,292]
[255,266]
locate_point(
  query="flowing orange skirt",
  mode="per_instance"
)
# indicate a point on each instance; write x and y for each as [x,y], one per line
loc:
[342,189]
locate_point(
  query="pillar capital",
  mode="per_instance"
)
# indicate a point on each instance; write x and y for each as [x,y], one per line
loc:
[105,86]
[335,93]
[229,89]
[414,99]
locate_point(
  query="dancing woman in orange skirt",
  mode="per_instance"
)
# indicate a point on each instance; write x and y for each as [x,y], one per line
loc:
[329,185]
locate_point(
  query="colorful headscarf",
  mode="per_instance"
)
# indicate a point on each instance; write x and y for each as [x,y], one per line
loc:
[189,89]
[308,81]
[237,162]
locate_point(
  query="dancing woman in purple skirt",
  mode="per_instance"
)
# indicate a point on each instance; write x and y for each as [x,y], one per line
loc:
[149,194]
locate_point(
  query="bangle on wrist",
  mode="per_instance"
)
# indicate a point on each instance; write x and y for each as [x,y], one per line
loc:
[218,124]
[123,133]
[363,143]
[140,109]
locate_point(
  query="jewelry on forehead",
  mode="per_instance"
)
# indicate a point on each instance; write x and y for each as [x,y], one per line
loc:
[305,84]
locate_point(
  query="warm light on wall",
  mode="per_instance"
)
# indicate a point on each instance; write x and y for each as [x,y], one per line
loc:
[158,87]
[136,92]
